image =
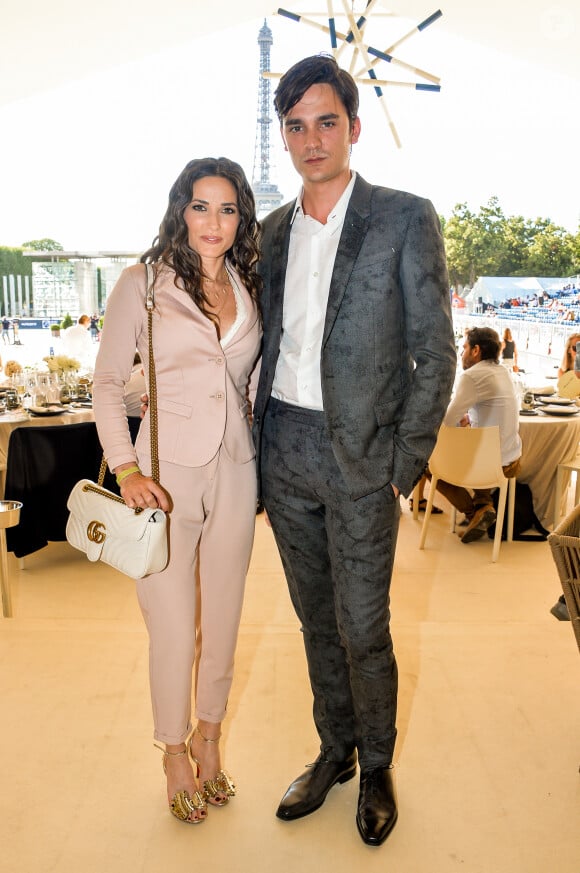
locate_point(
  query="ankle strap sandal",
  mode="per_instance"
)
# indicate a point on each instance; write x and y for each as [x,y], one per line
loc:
[221,787]
[183,804]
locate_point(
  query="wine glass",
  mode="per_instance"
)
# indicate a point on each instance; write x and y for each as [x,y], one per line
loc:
[42,389]
[29,397]
[18,384]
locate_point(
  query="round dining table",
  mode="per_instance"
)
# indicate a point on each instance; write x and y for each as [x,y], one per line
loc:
[547,440]
[9,421]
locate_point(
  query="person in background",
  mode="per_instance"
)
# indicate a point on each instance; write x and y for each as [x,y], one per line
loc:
[16,332]
[422,505]
[206,338]
[509,352]
[569,355]
[568,376]
[94,328]
[357,368]
[6,330]
[485,397]
[76,342]
[133,396]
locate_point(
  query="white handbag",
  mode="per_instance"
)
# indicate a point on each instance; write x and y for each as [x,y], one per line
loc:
[101,524]
[106,529]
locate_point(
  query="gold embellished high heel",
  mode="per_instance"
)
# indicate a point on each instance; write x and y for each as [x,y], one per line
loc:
[183,804]
[218,790]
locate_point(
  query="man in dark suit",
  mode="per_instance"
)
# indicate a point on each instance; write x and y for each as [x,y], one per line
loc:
[357,368]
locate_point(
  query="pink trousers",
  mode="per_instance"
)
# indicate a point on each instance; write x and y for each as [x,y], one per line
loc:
[211,532]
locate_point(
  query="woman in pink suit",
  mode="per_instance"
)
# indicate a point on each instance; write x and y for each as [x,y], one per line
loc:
[206,337]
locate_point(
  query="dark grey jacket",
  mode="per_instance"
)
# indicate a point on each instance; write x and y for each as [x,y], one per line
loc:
[388,356]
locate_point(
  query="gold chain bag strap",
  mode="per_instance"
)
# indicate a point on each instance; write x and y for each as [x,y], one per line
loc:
[153,422]
[100,523]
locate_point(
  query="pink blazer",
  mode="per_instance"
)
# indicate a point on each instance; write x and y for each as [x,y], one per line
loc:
[202,389]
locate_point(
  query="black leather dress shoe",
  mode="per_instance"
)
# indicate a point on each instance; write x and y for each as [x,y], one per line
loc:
[377,805]
[309,791]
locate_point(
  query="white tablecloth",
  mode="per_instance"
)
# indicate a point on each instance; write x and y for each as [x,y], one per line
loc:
[546,442]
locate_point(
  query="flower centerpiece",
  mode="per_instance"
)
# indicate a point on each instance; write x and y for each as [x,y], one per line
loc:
[61,364]
[11,368]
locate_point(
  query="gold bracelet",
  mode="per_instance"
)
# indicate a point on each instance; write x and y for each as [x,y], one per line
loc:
[124,473]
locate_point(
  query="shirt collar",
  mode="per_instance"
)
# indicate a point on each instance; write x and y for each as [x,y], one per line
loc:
[339,209]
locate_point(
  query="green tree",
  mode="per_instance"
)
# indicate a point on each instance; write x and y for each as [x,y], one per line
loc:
[518,236]
[551,253]
[576,253]
[43,245]
[460,243]
[13,262]
[490,244]
[491,236]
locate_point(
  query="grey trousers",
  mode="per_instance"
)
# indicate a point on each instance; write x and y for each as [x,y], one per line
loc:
[338,556]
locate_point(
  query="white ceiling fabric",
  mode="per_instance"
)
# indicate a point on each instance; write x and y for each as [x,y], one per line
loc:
[102,103]
[45,45]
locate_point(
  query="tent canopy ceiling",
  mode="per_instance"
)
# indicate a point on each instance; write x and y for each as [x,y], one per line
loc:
[46,45]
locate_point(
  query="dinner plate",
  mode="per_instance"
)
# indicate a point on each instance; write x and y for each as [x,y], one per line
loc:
[560,410]
[559,401]
[547,391]
[46,410]
[528,412]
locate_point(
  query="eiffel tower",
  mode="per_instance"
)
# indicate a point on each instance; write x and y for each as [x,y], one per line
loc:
[266,193]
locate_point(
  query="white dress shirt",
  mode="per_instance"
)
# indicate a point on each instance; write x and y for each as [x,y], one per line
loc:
[77,344]
[311,257]
[134,388]
[486,392]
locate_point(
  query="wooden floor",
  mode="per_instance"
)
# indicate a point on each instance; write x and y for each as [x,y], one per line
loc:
[487,760]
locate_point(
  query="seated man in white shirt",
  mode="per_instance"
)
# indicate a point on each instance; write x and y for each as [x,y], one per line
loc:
[485,397]
[76,342]
[135,388]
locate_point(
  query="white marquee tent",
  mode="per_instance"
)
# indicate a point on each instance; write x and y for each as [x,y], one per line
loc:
[496,289]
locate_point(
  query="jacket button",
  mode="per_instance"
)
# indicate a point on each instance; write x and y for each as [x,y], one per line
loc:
[219,360]
[219,396]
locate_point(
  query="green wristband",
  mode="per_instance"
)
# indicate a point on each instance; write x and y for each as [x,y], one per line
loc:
[124,473]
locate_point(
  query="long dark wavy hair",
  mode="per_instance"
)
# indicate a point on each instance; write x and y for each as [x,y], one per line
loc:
[171,246]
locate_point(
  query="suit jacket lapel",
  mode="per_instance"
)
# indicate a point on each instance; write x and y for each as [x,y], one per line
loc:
[356,222]
[182,298]
[278,255]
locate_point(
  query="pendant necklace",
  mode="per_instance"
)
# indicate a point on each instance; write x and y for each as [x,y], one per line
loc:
[219,295]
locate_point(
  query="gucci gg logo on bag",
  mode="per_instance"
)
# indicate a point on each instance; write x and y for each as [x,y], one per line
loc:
[96,531]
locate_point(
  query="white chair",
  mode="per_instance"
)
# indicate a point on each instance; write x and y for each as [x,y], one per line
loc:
[471,457]
[572,466]
[565,545]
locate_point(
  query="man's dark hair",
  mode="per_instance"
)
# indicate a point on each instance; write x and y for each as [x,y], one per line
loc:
[488,341]
[315,70]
